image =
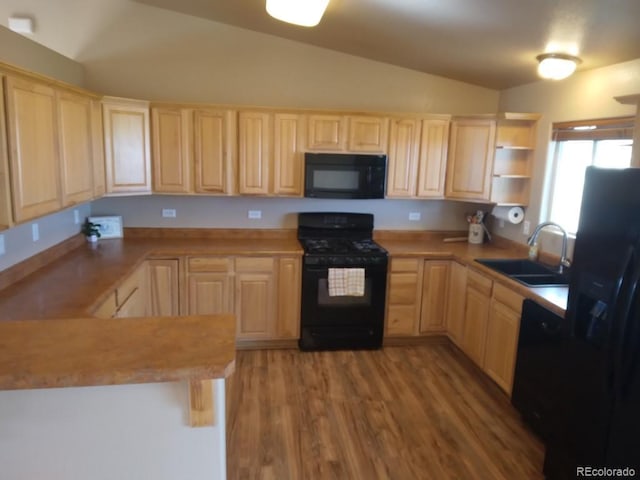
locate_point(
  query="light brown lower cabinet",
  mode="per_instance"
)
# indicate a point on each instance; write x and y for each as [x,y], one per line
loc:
[129,299]
[164,287]
[502,336]
[435,284]
[456,294]
[476,318]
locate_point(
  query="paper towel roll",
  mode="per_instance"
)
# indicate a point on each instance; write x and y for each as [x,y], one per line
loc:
[513,215]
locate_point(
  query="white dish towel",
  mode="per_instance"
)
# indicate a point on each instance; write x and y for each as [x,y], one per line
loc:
[346,282]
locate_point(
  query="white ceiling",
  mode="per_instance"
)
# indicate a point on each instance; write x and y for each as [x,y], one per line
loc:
[492,43]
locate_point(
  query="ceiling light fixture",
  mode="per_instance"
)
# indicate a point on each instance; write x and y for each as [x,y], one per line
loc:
[556,66]
[306,13]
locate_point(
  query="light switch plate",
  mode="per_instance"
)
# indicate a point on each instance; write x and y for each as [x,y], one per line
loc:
[76,217]
[255,214]
[35,232]
[414,216]
[2,250]
[169,213]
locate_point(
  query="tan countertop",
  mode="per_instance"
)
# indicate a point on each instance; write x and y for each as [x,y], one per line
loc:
[433,246]
[86,351]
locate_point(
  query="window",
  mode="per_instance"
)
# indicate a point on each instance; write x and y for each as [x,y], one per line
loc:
[603,143]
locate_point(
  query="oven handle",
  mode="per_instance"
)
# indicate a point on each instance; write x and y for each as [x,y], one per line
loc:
[368,270]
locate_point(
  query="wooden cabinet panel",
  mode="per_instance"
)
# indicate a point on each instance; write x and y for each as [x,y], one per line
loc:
[254,152]
[435,286]
[6,218]
[404,149]
[403,297]
[326,133]
[477,302]
[456,302]
[127,152]
[171,135]
[214,151]
[368,134]
[254,305]
[289,284]
[470,162]
[433,158]
[210,293]
[288,154]
[134,306]
[108,308]
[76,149]
[210,264]
[33,148]
[97,135]
[164,287]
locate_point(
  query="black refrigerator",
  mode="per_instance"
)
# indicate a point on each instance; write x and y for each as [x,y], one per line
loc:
[598,422]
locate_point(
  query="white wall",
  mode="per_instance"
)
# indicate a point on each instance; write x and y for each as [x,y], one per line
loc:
[585,95]
[231,212]
[123,432]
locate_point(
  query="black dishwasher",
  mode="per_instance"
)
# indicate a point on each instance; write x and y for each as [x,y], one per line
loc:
[540,375]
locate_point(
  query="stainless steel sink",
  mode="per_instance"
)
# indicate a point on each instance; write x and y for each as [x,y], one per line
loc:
[531,274]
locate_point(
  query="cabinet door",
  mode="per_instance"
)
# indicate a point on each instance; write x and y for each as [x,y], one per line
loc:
[127,152]
[210,293]
[368,134]
[502,337]
[289,284]
[255,306]
[171,143]
[214,151]
[470,162]
[254,152]
[5,192]
[288,154]
[76,149]
[97,135]
[404,148]
[435,285]
[326,133]
[477,300]
[433,158]
[164,287]
[403,296]
[33,148]
[134,306]
[456,302]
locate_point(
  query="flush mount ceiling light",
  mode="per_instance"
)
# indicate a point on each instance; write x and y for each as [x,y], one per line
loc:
[306,13]
[556,66]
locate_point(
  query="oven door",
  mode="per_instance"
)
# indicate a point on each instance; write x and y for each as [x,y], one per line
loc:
[342,321]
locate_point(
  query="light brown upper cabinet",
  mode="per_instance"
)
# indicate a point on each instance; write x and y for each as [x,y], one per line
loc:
[417,158]
[514,154]
[367,134]
[33,148]
[214,150]
[97,134]
[288,154]
[270,153]
[470,162]
[171,149]
[347,133]
[254,152]
[75,135]
[127,150]
[6,219]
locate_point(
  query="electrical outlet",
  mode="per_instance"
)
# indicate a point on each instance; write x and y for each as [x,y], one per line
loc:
[501,223]
[526,227]
[414,216]
[76,217]
[2,250]
[169,213]
[255,214]
[35,232]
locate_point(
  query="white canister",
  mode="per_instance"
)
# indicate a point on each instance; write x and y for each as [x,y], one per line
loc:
[476,233]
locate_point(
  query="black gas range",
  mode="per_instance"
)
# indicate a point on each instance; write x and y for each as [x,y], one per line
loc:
[330,321]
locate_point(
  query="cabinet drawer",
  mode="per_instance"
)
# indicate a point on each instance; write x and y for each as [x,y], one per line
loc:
[209,264]
[479,282]
[254,264]
[131,283]
[508,297]
[405,264]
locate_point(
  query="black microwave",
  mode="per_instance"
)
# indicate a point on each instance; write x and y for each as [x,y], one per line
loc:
[341,175]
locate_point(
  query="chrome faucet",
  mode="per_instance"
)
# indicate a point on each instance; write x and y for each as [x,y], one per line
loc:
[564,261]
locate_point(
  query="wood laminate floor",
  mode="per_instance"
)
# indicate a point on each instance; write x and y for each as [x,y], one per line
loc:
[420,412]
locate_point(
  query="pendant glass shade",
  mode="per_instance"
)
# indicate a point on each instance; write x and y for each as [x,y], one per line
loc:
[556,66]
[306,13]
